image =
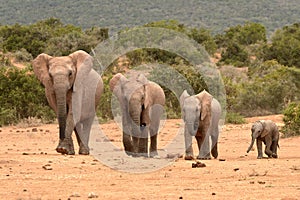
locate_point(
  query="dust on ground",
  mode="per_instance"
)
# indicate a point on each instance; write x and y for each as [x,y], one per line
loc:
[30,168]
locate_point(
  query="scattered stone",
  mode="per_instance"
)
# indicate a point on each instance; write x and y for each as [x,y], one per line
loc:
[92,195]
[261,182]
[41,130]
[222,159]
[180,197]
[34,130]
[47,167]
[47,131]
[24,190]
[213,193]
[251,182]
[75,195]
[198,164]
[236,169]
[173,155]
[17,131]
[25,153]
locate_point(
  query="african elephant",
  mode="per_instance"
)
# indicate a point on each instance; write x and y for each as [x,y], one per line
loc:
[142,103]
[201,114]
[73,90]
[265,131]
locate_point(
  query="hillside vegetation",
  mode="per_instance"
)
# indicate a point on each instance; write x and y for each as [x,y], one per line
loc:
[260,76]
[118,14]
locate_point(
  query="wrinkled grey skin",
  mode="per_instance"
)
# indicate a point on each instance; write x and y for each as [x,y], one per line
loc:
[265,131]
[73,90]
[142,104]
[201,114]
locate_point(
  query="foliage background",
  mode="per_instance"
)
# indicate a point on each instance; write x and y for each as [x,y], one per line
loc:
[261,76]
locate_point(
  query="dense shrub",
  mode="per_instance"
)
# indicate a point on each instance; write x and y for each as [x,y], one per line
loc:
[291,120]
[234,118]
[269,88]
[21,96]
[50,36]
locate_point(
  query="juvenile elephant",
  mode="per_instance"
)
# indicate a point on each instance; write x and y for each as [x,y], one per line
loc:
[73,90]
[201,114]
[142,103]
[265,131]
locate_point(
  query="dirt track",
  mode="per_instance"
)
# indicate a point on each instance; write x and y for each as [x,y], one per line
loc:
[31,169]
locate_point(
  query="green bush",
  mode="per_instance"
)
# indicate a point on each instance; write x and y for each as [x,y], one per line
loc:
[234,118]
[291,120]
[267,91]
[21,96]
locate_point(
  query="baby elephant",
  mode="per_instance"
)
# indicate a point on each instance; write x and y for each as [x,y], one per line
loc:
[265,131]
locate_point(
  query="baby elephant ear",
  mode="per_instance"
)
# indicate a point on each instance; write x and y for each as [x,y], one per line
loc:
[142,79]
[183,96]
[266,128]
[41,69]
[116,82]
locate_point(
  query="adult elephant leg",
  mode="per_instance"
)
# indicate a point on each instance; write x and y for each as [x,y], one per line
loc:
[143,141]
[83,135]
[189,155]
[66,145]
[214,142]
[155,115]
[126,136]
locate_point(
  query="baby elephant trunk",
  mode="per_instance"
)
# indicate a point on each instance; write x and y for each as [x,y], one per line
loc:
[251,145]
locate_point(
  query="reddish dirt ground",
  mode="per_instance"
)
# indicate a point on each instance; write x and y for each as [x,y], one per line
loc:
[30,168]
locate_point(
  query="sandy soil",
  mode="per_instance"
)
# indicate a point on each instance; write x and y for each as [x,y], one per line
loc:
[30,168]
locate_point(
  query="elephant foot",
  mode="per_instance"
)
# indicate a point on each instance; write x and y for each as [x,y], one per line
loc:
[142,155]
[214,154]
[259,157]
[65,147]
[203,158]
[83,151]
[274,155]
[129,153]
[188,157]
[153,154]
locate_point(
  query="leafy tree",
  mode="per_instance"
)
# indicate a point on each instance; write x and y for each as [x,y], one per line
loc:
[285,46]
[204,37]
[235,54]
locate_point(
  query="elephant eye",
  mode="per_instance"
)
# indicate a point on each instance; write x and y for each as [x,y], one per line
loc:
[70,74]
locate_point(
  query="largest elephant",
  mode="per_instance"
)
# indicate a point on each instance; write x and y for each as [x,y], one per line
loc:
[73,90]
[201,114]
[142,103]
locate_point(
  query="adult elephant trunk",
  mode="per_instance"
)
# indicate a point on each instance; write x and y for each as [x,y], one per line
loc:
[251,145]
[61,98]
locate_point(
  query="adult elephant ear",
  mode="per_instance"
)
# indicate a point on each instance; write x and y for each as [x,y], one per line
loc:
[266,128]
[205,102]
[41,69]
[83,63]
